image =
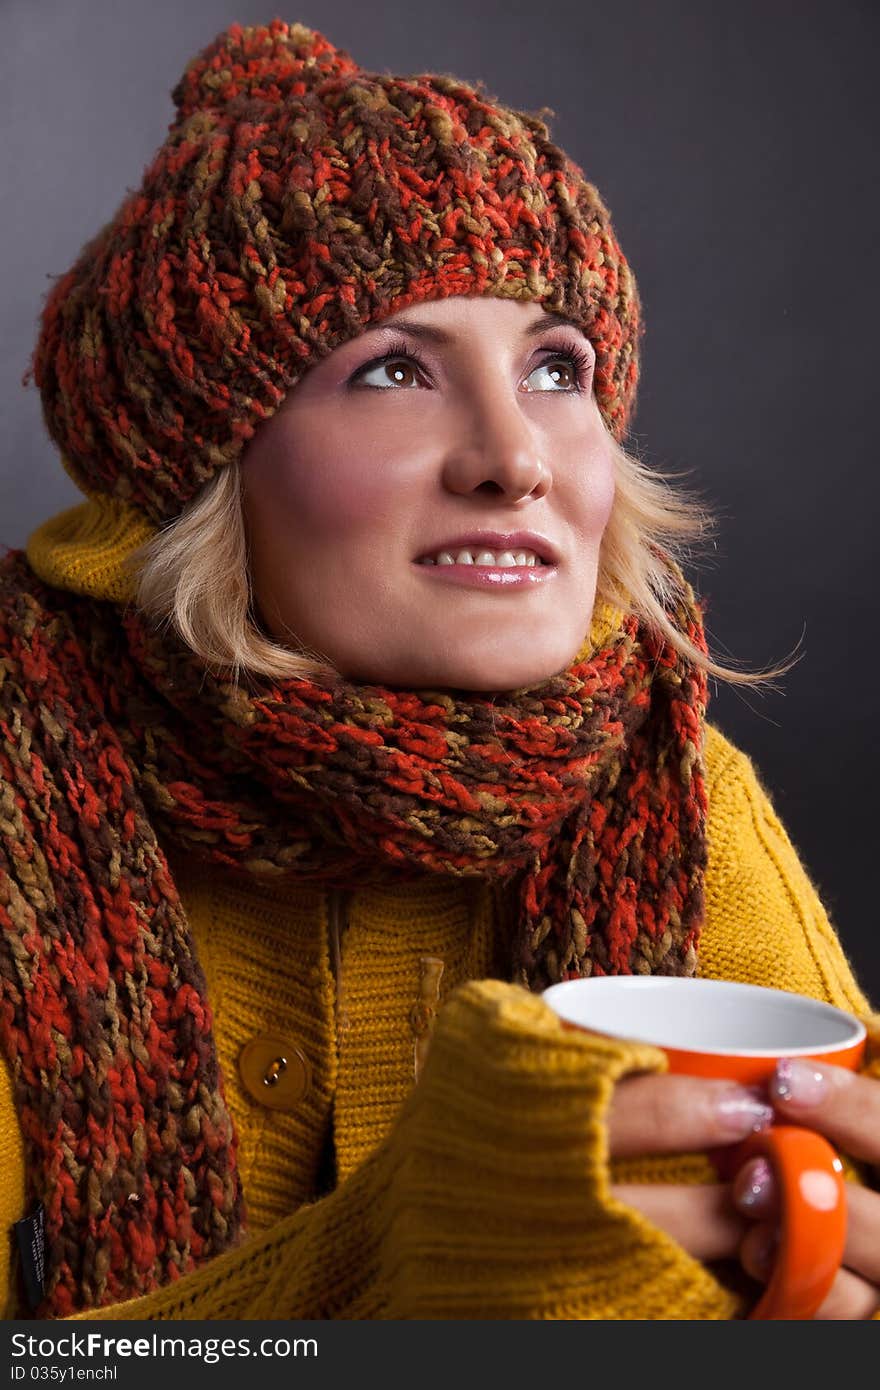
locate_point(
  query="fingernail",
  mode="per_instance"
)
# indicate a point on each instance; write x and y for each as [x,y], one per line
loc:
[753,1184]
[743,1112]
[797,1082]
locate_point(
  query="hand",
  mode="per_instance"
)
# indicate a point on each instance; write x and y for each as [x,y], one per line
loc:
[845,1108]
[684,1114]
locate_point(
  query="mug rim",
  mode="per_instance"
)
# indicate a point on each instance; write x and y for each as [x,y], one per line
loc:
[856,1030]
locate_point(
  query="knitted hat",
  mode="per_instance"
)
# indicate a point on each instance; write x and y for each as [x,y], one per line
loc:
[296,199]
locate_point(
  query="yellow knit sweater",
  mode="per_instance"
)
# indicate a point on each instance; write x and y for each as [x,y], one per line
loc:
[471,1169]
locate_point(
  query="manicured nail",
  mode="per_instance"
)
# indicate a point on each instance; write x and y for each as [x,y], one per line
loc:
[798,1082]
[743,1112]
[753,1185]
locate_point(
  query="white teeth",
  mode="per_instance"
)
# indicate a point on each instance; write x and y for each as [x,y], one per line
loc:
[502,559]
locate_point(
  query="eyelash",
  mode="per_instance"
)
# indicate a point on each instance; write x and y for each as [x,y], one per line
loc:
[400,347]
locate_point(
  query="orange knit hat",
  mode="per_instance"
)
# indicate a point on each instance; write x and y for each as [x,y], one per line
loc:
[295,199]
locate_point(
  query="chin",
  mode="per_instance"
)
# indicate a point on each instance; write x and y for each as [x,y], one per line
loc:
[478,676]
[444,662]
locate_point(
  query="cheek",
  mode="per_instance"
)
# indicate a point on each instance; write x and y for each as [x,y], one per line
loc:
[330,502]
[606,497]
[317,496]
[597,497]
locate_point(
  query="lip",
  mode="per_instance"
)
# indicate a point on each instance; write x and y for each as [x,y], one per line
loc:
[495,541]
[490,577]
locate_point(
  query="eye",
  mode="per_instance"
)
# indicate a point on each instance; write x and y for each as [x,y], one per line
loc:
[397,365]
[399,356]
[575,359]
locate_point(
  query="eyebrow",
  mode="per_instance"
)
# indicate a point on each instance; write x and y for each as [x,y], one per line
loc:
[439,335]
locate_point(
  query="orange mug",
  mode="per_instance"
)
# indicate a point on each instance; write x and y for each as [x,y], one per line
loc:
[718,1028]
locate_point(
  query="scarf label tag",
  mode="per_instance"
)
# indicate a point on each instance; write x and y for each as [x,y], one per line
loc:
[30,1232]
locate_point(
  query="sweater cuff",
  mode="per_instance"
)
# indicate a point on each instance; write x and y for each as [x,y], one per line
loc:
[489,1198]
[502,1205]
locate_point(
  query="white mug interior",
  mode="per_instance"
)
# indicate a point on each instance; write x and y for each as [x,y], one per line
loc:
[694,1015]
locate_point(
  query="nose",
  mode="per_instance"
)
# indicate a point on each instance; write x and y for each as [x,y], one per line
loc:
[499,452]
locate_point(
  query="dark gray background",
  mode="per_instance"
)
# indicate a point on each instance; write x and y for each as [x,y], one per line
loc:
[736,149]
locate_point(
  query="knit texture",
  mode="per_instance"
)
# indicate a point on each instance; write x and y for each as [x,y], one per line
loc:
[103,1014]
[296,199]
[285,979]
[587,789]
[487,786]
[764,924]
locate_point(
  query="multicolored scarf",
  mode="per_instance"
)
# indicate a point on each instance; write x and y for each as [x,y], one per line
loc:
[585,793]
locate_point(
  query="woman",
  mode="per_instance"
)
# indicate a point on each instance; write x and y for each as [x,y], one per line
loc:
[363,698]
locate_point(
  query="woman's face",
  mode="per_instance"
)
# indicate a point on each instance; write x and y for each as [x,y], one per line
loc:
[479,421]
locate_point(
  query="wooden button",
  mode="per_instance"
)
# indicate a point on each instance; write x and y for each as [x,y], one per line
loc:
[274,1071]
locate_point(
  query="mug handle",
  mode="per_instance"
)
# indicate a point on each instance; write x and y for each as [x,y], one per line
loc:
[813,1215]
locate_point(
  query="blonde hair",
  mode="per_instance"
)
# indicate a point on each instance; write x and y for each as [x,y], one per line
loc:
[194,574]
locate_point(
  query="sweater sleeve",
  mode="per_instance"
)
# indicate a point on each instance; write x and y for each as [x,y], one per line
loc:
[765,920]
[490,1197]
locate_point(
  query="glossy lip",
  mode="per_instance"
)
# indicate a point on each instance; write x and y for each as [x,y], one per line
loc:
[495,541]
[490,577]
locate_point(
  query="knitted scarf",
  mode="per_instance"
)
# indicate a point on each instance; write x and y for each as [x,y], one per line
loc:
[585,792]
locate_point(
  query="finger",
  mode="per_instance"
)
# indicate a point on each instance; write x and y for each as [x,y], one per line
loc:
[757,1251]
[755,1193]
[857,1284]
[682,1114]
[699,1216]
[862,1253]
[850,1296]
[840,1104]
